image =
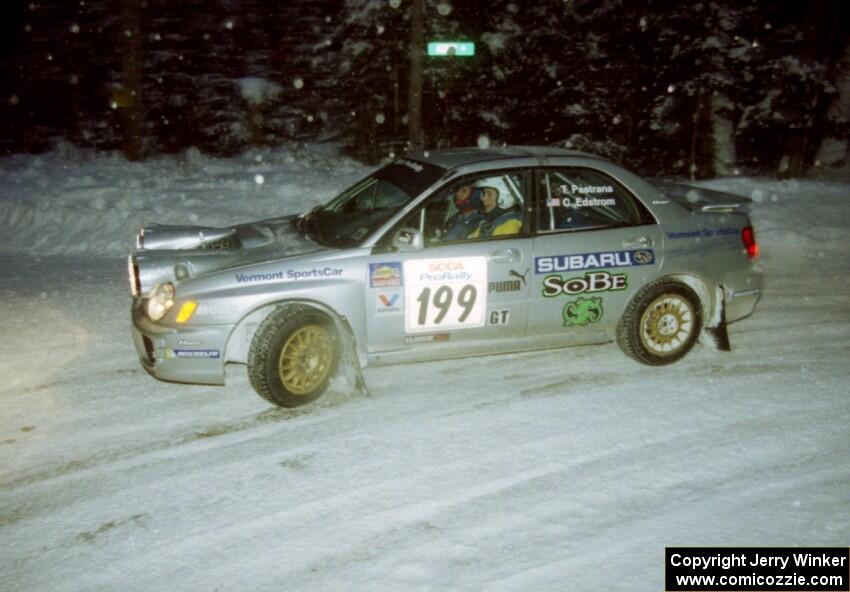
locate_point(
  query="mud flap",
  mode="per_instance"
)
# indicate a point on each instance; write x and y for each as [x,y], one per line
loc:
[719,333]
[350,368]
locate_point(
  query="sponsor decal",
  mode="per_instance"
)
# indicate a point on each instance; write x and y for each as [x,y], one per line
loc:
[583,311]
[289,274]
[389,302]
[588,202]
[704,233]
[686,234]
[211,310]
[385,275]
[580,202]
[750,292]
[444,271]
[519,275]
[586,189]
[188,342]
[643,257]
[504,286]
[600,260]
[416,339]
[597,281]
[193,353]
[411,165]
[499,317]
[445,294]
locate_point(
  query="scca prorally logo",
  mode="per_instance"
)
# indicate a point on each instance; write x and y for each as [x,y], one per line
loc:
[445,266]
[445,271]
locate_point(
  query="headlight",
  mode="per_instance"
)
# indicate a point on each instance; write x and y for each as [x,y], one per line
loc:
[160,301]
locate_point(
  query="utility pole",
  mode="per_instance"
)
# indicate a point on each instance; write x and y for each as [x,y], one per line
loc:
[131,70]
[414,96]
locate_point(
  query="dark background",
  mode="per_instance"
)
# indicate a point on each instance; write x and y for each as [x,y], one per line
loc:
[662,86]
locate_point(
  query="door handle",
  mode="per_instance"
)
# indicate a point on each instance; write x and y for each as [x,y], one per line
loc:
[640,242]
[506,256]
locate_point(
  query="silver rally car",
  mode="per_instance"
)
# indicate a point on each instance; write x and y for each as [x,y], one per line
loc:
[444,254]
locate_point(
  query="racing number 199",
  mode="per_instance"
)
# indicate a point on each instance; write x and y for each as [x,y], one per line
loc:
[443,297]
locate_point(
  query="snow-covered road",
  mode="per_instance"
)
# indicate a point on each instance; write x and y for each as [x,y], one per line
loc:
[561,470]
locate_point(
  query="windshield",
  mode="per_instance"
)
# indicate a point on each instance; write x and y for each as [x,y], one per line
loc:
[364,207]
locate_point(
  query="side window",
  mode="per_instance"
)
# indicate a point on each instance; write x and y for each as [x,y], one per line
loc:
[578,199]
[474,208]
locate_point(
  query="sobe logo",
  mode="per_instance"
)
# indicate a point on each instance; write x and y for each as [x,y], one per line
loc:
[445,266]
[600,281]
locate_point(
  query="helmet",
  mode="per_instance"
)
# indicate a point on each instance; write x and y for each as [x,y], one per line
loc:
[469,202]
[506,196]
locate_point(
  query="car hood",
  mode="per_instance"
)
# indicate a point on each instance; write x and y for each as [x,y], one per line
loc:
[177,253]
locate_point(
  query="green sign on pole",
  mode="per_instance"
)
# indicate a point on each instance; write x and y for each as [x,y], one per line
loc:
[451,48]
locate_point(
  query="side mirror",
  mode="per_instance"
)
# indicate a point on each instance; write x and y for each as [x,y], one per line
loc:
[408,239]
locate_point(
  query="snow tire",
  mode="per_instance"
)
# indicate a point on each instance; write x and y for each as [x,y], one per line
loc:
[293,355]
[661,324]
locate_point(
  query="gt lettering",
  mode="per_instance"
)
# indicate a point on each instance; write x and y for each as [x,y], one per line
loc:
[599,281]
[500,317]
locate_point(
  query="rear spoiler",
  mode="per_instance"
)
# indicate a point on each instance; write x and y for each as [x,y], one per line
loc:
[701,199]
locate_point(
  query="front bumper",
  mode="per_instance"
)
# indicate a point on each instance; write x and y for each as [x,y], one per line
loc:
[185,354]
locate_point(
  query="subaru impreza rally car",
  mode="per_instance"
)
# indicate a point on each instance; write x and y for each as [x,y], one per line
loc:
[593,254]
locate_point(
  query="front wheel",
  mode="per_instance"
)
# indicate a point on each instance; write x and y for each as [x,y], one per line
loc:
[661,324]
[293,355]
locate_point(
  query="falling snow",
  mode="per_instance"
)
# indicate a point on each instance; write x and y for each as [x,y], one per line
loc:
[515,472]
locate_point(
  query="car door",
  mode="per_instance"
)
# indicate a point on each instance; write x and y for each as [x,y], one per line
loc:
[595,244]
[455,296]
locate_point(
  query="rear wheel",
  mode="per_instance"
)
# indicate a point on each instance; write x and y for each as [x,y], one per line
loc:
[661,324]
[293,355]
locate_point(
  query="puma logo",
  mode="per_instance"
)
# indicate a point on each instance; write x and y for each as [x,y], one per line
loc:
[520,276]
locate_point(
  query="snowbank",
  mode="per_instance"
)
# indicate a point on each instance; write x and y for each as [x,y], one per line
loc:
[552,470]
[796,221]
[74,202]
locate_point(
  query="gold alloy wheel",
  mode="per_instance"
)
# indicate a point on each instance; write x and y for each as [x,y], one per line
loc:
[305,359]
[666,324]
